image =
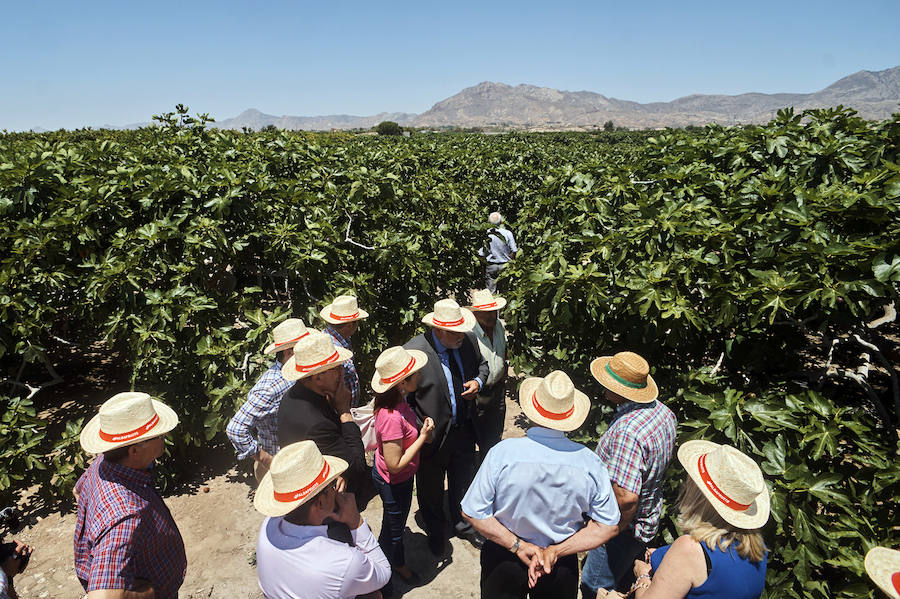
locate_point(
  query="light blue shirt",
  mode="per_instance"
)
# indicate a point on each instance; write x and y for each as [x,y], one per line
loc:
[445,365]
[539,486]
[500,247]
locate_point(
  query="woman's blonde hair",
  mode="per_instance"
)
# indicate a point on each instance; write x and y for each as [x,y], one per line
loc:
[699,519]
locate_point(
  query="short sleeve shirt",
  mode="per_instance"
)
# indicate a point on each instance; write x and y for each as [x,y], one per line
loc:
[398,424]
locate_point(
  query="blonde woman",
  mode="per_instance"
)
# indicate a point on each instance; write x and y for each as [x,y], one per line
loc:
[721,555]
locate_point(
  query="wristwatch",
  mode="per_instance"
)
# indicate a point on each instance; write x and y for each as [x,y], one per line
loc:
[515,546]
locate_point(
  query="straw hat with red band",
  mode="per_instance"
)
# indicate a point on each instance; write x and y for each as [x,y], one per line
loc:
[299,471]
[484,301]
[883,567]
[342,310]
[626,374]
[554,402]
[286,334]
[395,364]
[126,419]
[449,316]
[313,354]
[731,481]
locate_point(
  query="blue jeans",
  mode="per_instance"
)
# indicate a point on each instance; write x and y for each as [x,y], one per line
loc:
[397,499]
[611,565]
[596,573]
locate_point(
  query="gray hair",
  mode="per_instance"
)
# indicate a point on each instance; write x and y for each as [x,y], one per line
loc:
[495,218]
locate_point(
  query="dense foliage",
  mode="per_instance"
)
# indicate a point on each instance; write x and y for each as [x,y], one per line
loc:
[177,247]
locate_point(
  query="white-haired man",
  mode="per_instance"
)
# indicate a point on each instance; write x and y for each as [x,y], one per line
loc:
[499,248]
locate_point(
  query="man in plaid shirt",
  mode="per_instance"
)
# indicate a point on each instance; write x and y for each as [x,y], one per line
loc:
[636,448]
[343,316]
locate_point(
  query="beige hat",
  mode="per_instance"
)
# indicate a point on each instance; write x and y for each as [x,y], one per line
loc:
[342,310]
[395,364]
[554,402]
[298,472]
[626,374]
[286,334]
[883,567]
[484,301]
[730,480]
[449,316]
[126,419]
[312,354]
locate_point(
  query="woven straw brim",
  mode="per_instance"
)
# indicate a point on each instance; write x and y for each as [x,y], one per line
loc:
[90,434]
[273,348]
[467,325]
[325,313]
[289,370]
[881,565]
[264,500]
[582,407]
[752,518]
[421,359]
[501,303]
[645,395]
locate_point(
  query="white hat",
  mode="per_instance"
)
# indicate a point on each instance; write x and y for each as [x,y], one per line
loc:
[342,310]
[883,567]
[484,301]
[395,364]
[730,480]
[447,315]
[298,472]
[286,334]
[312,354]
[554,402]
[126,419]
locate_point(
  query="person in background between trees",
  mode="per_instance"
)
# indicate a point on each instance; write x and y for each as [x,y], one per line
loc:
[343,316]
[499,249]
[455,373]
[317,408]
[636,448]
[13,560]
[541,499]
[721,554]
[399,443]
[883,567]
[127,545]
[260,411]
[490,334]
[313,542]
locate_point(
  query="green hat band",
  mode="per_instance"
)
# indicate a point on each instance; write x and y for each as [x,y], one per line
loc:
[622,381]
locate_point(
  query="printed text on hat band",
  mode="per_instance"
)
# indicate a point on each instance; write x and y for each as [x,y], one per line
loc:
[308,367]
[622,381]
[350,317]
[301,493]
[130,434]
[401,374]
[448,323]
[720,495]
[549,414]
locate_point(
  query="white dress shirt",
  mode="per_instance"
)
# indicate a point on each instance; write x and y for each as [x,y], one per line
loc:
[295,561]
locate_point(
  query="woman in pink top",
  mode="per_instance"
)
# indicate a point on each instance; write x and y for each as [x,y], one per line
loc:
[399,442]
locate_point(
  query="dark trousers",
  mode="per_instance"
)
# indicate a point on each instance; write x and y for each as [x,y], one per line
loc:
[489,420]
[397,499]
[611,566]
[504,575]
[456,461]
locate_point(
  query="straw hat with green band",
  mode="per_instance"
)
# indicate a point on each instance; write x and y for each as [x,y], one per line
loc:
[626,374]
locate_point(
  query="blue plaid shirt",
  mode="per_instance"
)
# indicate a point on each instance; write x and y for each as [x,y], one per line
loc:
[351,378]
[259,412]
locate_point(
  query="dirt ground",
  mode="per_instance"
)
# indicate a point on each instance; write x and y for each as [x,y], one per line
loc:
[220,528]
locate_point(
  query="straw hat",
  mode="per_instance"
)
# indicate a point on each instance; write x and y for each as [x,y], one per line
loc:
[883,567]
[730,480]
[298,472]
[395,364]
[554,402]
[312,354]
[126,419]
[449,316]
[626,374]
[483,301]
[286,334]
[342,310]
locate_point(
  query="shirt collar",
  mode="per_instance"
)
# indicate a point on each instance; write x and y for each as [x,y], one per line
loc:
[337,336]
[630,406]
[540,432]
[126,475]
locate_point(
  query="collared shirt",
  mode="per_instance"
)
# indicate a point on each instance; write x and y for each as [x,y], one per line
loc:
[494,351]
[259,412]
[637,448]
[351,378]
[125,532]
[539,486]
[301,561]
[445,365]
[500,246]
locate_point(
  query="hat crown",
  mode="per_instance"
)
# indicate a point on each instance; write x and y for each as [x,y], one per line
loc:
[296,466]
[447,310]
[315,348]
[736,474]
[630,366]
[287,331]
[344,305]
[392,362]
[556,393]
[482,297]
[125,412]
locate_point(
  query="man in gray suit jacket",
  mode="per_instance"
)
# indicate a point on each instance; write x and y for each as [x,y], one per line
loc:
[448,385]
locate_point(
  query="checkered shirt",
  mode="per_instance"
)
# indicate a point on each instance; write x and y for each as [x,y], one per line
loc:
[351,378]
[637,448]
[260,413]
[124,532]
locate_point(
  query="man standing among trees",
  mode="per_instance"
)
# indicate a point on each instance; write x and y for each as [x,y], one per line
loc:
[490,334]
[636,448]
[499,249]
[343,316]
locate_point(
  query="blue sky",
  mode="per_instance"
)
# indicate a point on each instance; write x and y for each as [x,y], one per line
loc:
[88,63]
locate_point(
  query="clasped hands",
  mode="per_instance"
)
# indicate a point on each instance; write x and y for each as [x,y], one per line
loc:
[540,560]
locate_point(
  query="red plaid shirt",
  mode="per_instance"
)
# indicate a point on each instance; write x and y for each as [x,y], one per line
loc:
[637,448]
[125,532]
